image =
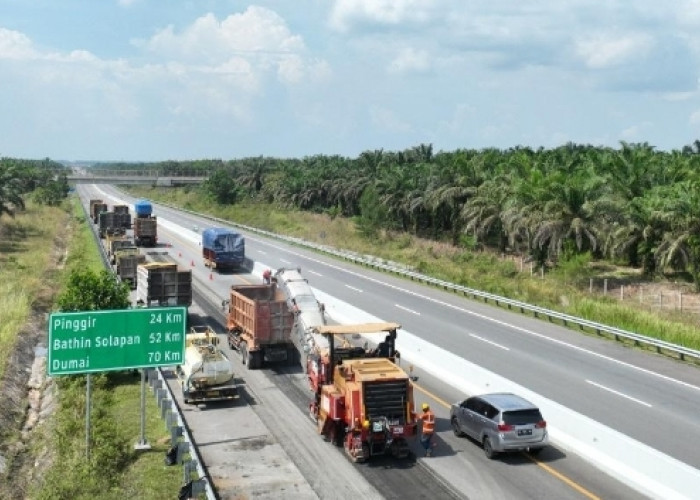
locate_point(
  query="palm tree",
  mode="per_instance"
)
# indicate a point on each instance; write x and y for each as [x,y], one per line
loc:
[484,212]
[680,248]
[12,186]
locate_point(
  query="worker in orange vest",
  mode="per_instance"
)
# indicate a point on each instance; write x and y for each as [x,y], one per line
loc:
[426,435]
[267,276]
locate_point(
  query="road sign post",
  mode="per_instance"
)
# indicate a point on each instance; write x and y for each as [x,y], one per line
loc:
[123,339]
[98,341]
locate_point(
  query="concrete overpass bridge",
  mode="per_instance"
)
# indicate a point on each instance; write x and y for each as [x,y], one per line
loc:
[131,177]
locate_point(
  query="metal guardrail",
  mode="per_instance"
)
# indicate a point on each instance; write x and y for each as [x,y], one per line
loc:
[617,333]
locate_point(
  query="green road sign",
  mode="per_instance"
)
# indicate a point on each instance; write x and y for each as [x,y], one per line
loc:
[98,341]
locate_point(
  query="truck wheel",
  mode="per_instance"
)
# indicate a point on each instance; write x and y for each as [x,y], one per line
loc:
[291,356]
[243,349]
[255,360]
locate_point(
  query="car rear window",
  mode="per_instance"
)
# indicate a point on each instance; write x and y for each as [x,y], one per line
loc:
[521,417]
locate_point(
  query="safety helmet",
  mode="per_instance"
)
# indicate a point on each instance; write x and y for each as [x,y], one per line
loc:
[425,407]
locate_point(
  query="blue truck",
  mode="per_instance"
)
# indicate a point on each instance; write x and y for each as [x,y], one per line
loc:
[223,248]
[143,208]
[145,224]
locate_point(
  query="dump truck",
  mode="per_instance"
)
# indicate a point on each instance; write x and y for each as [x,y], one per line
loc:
[96,208]
[206,374]
[122,216]
[259,325]
[114,242]
[145,231]
[126,262]
[110,224]
[222,248]
[91,209]
[159,281]
[366,404]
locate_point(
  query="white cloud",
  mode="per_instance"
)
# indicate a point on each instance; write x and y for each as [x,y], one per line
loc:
[254,42]
[257,32]
[606,50]
[346,13]
[410,60]
[15,45]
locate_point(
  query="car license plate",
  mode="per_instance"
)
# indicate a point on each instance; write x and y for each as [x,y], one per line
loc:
[398,430]
[524,432]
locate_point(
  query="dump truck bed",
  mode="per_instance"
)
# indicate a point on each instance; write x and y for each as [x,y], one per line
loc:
[261,314]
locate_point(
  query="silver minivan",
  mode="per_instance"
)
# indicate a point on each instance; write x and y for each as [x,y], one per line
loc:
[500,422]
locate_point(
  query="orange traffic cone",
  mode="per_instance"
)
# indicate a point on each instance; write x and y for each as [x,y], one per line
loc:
[179,254]
[192,263]
[211,276]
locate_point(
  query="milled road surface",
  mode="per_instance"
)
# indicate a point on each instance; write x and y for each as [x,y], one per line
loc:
[266,445]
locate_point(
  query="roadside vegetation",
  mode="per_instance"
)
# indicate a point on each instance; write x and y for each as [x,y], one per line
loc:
[114,469]
[47,253]
[483,255]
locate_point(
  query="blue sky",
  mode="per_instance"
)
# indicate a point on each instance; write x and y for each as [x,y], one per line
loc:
[151,80]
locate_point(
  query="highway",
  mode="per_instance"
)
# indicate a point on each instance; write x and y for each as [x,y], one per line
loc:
[627,390]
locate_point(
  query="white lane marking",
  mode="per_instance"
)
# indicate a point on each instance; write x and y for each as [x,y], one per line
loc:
[487,318]
[314,272]
[490,342]
[285,261]
[354,289]
[260,251]
[618,393]
[407,309]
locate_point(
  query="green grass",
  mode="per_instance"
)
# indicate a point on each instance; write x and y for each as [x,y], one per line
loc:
[115,469]
[24,259]
[564,290]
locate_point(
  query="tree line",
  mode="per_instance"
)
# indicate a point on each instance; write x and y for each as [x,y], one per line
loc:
[44,179]
[634,205]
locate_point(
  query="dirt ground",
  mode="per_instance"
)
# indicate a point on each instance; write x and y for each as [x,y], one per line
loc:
[27,396]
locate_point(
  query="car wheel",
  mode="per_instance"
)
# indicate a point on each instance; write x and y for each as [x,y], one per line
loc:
[488,449]
[455,427]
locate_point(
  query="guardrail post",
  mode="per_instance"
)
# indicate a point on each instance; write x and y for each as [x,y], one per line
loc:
[171,420]
[182,448]
[175,434]
[160,395]
[198,487]
[165,409]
